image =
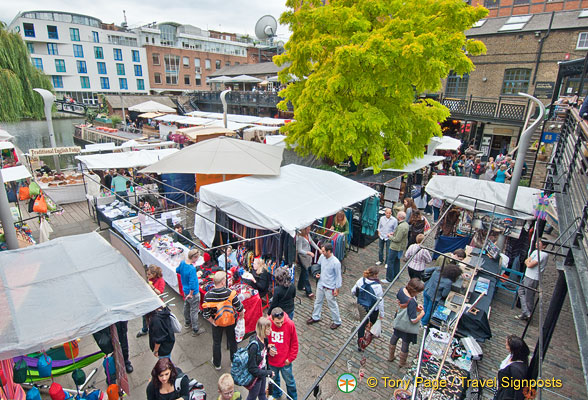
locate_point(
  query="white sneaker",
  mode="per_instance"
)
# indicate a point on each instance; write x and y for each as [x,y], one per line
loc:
[378,262]
[386,266]
[215,367]
[384,281]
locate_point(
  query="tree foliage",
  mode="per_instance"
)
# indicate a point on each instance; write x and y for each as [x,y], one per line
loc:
[18,77]
[361,65]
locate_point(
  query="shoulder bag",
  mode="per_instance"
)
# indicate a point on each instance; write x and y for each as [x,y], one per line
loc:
[403,323]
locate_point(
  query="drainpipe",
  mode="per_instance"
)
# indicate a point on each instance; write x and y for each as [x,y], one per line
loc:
[224,102]
[540,50]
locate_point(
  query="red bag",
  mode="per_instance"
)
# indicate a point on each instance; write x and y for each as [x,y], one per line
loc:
[56,391]
[23,193]
[40,205]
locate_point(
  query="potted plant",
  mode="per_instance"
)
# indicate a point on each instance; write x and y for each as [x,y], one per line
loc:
[542,156]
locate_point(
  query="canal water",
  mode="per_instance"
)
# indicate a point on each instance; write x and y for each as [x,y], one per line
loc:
[35,134]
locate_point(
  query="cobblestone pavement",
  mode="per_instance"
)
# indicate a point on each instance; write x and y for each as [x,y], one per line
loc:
[319,344]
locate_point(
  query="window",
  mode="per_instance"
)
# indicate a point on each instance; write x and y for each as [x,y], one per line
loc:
[237,63]
[207,63]
[57,81]
[582,41]
[515,23]
[31,48]
[101,68]
[85,82]
[227,64]
[157,77]
[117,54]
[186,79]
[78,50]
[516,80]
[491,3]
[29,30]
[60,65]
[136,56]
[120,69]
[52,49]
[52,32]
[172,69]
[95,37]
[519,2]
[38,63]
[74,34]
[155,58]
[82,69]
[98,53]
[198,80]
[138,70]
[186,62]
[104,84]
[457,86]
[197,63]
[122,83]
[218,64]
[140,84]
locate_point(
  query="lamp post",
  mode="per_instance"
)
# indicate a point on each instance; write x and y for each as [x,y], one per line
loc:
[224,101]
[49,98]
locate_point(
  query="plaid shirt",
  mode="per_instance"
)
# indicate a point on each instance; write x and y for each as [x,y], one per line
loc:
[420,260]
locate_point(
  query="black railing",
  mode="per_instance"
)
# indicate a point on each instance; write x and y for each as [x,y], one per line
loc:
[253,99]
[511,109]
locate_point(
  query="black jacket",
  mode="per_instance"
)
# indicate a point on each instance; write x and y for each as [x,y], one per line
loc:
[515,371]
[261,283]
[255,358]
[184,392]
[161,331]
[284,298]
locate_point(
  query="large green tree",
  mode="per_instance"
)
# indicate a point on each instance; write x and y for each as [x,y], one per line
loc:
[18,77]
[361,65]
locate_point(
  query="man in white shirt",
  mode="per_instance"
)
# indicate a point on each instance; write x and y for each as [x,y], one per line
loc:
[386,228]
[536,264]
[330,280]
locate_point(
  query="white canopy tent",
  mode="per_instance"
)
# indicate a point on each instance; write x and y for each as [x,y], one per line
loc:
[131,159]
[222,155]
[65,289]
[276,140]
[170,118]
[234,126]
[415,164]
[6,146]
[151,106]
[244,79]
[17,173]
[443,143]
[448,188]
[5,135]
[291,201]
[220,79]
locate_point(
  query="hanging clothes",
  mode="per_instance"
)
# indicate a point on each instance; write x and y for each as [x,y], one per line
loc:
[369,216]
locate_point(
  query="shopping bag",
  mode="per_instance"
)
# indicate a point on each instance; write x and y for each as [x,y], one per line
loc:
[51,206]
[240,329]
[23,193]
[34,189]
[376,329]
[40,205]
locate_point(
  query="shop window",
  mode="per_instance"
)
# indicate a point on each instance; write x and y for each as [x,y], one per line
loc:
[457,86]
[516,80]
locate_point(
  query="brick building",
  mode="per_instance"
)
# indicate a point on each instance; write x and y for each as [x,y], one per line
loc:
[506,8]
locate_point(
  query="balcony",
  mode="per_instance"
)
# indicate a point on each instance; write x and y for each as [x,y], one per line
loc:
[234,98]
[502,109]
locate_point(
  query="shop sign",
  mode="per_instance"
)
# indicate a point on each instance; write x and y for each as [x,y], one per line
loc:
[549,137]
[544,90]
[55,151]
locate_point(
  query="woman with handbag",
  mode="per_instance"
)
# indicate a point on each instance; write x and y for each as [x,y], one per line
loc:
[406,323]
[303,246]
[367,290]
[258,364]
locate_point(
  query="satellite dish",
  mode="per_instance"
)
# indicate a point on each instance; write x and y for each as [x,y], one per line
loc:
[266,27]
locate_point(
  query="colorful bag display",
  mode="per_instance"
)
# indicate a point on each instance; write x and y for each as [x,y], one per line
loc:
[112,392]
[23,193]
[20,371]
[44,366]
[78,376]
[33,394]
[34,189]
[56,391]
[71,349]
[51,206]
[40,205]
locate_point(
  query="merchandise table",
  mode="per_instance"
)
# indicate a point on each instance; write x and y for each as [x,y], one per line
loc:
[168,264]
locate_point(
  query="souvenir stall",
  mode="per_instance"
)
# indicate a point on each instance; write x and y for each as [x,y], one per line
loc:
[106,288]
[8,156]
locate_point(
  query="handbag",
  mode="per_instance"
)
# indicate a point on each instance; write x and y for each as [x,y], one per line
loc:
[34,189]
[403,323]
[23,193]
[176,326]
[40,205]
[376,329]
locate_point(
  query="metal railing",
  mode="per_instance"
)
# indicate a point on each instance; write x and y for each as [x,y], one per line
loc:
[502,108]
[238,98]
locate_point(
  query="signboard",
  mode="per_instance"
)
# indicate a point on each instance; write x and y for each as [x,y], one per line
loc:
[549,137]
[55,151]
[544,90]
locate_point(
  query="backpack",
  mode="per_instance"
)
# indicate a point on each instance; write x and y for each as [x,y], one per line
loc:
[239,370]
[366,295]
[225,312]
[479,169]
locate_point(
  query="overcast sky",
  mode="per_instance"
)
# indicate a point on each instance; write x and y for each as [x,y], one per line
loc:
[237,16]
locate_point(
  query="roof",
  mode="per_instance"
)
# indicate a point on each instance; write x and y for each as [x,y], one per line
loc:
[267,68]
[129,101]
[537,22]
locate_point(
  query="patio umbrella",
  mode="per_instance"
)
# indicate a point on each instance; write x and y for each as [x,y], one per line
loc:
[220,79]
[151,106]
[245,79]
[222,155]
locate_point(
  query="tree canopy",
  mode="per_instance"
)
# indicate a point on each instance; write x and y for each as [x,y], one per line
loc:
[361,65]
[18,77]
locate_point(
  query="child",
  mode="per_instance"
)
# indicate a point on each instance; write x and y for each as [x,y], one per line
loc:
[155,276]
[226,388]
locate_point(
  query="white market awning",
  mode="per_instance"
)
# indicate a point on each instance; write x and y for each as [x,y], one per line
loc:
[443,143]
[244,79]
[131,159]
[448,188]
[17,173]
[64,289]
[170,118]
[6,145]
[291,201]
[416,164]
[151,106]
[4,136]
[220,79]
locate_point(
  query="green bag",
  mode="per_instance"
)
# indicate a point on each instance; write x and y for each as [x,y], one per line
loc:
[51,206]
[19,371]
[79,377]
[34,189]
[403,323]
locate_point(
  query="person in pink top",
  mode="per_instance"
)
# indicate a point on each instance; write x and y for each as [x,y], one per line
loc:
[283,352]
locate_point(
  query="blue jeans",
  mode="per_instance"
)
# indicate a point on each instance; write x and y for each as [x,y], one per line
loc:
[288,378]
[428,307]
[322,294]
[393,264]
[436,211]
[291,315]
[304,280]
[383,244]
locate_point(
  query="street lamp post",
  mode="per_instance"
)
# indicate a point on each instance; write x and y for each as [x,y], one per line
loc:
[48,99]
[224,102]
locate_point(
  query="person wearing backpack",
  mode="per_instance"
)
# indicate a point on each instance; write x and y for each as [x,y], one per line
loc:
[367,290]
[478,169]
[221,308]
[161,332]
[257,365]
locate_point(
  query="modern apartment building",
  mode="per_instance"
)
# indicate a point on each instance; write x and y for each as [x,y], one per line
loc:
[82,55]
[181,57]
